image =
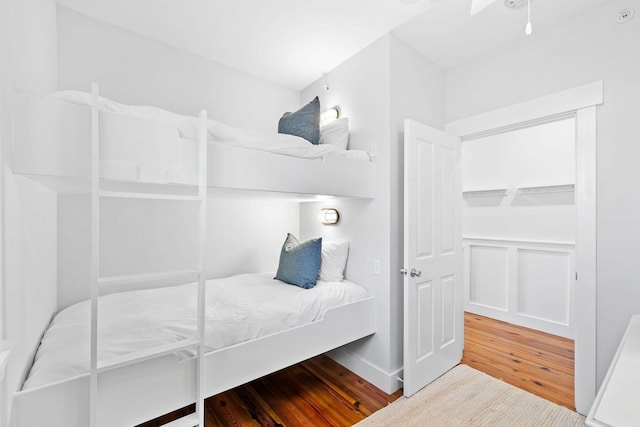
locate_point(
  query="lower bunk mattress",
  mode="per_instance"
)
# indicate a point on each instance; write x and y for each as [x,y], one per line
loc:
[238,309]
[255,326]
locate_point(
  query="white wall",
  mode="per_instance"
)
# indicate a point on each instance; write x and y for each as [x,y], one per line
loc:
[33,53]
[245,234]
[377,89]
[417,93]
[28,55]
[592,46]
[360,87]
[30,261]
[133,69]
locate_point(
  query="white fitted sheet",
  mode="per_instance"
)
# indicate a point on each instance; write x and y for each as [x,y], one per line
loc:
[238,309]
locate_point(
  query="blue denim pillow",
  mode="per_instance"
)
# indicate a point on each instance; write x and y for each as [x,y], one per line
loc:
[304,123]
[300,262]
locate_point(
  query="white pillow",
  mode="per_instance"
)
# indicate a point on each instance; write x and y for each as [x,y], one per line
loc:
[334,260]
[336,133]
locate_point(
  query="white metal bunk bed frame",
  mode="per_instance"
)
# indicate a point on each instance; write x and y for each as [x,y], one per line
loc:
[120,401]
[98,282]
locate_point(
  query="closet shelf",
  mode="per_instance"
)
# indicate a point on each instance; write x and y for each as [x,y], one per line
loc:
[494,192]
[558,188]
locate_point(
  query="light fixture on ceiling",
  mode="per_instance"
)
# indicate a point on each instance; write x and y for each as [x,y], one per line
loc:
[328,216]
[517,4]
[624,15]
[479,5]
[527,29]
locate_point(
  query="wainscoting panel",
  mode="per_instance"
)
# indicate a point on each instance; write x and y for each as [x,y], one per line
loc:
[527,283]
[488,282]
[544,285]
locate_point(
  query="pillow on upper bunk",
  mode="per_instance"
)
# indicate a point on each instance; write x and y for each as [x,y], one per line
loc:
[300,262]
[336,133]
[334,260]
[304,123]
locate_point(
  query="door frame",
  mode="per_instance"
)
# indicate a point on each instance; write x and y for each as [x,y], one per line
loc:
[579,103]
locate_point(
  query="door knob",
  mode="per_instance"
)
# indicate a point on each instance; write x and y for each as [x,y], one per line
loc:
[415,273]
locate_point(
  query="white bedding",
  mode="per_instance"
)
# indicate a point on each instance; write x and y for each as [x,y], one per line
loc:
[238,308]
[359,155]
[187,126]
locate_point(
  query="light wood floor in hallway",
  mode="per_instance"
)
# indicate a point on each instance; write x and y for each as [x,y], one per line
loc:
[320,392]
[539,363]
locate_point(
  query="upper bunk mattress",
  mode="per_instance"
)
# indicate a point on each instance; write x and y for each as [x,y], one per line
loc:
[188,128]
[238,309]
[51,142]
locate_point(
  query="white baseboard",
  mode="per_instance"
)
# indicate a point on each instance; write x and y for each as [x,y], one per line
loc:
[385,381]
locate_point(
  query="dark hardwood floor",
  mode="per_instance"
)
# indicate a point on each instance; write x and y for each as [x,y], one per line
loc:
[317,392]
[534,361]
[320,392]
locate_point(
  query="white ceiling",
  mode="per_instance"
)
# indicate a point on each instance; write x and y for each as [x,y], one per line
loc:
[448,35]
[293,42]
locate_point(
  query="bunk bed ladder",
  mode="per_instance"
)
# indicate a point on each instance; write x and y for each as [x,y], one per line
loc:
[99,283]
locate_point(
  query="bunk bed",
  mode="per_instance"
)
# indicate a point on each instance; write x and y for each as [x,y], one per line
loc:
[152,145]
[140,154]
[309,323]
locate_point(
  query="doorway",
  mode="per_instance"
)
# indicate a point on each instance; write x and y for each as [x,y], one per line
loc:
[519,225]
[578,104]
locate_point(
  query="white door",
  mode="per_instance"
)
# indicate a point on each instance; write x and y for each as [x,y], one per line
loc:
[433,311]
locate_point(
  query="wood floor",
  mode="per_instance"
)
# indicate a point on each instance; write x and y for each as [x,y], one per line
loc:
[320,392]
[539,363]
[317,392]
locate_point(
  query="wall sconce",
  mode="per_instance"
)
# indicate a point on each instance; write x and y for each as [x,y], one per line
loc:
[328,216]
[329,115]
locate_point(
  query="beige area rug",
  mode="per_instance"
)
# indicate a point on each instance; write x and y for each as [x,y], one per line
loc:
[467,397]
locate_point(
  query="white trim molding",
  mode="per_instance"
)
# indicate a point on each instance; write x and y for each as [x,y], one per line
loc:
[580,103]
[525,114]
[586,260]
[388,382]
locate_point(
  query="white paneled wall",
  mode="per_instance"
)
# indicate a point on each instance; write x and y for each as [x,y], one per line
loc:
[488,278]
[528,283]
